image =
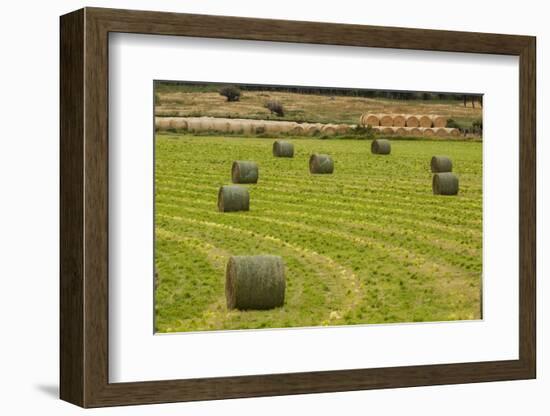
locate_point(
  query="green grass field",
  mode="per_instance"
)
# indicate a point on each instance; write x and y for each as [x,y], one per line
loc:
[368,244]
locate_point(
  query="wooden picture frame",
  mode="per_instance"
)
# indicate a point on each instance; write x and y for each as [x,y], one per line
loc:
[84,207]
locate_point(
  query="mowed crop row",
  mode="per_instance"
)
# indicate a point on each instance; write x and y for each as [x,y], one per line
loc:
[368,244]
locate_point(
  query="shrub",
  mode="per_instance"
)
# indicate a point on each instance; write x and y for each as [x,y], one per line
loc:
[452,124]
[231,93]
[157,98]
[363,132]
[275,107]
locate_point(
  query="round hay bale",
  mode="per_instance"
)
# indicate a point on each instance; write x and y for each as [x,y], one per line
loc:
[388,131]
[233,198]
[218,125]
[282,148]
[370,120]
[298,130]
[274,127]
[399,120]
[453,132]
[386,120]
[440,164]
[380,147]
[255,282]
[258,127]
[445,183]
[194,125]
[248,127]
[244,171]
[162,123]
[311,129]
[292,127]
[425,121]
[236,127]
[439,121]
[412,121]
[178,123]
[328,129]
[320,163]
[441,132]
[400,131]
[415,131]
[207,125]
[427,131]
[343,128]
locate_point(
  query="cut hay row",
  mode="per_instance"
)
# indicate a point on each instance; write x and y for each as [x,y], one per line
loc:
[247,126]
[402,120]
[418,131]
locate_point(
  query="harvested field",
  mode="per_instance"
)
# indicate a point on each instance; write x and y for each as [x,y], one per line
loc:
[367,244]
[312,108]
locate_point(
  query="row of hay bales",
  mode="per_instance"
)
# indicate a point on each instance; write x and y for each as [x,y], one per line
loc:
[254,127]
[402,120]
[418,131]
[248,126]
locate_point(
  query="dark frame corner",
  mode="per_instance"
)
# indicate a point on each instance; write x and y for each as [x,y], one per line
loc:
[84,207]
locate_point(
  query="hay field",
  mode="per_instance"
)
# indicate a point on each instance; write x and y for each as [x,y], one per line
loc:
[368,244]
[314,108]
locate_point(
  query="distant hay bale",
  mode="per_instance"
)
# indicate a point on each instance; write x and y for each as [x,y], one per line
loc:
[236,127]
[178,123]
[283,149]
[439,121]
[412,121]
[248,127]
[298,130]
[440,164]
[370,120]
[244,171]
[207,125]
[274,127]
[162,123]
[255,282]
[258,127]
[415,131]
[453,132]
[441,132]
[195,125]
[233,198]
[311,129]
[328,129]
[319,163]
[399,120]
[401,131]
[343,128]
[425,121]
[427,131]
[386,120]
[445,183]
[221,125]
[388,131]
[380,147]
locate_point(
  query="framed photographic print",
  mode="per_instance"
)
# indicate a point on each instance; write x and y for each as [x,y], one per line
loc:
[255,207]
